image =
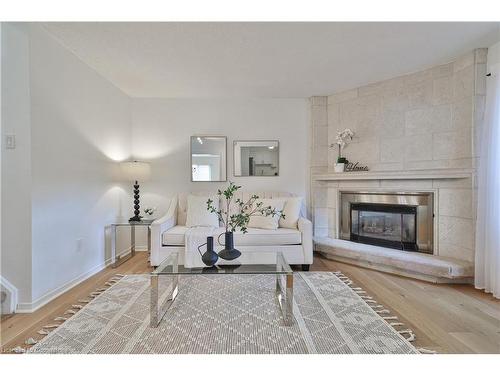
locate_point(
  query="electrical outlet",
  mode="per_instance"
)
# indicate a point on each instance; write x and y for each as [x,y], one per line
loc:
[79,245]
[10,141]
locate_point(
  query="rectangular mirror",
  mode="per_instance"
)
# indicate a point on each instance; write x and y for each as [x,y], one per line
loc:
[208,158]
[256,158]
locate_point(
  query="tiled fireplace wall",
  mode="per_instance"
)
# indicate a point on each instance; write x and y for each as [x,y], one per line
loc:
[424,120]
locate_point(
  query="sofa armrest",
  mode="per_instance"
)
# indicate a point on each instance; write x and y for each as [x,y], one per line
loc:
[306,228]
[161,225]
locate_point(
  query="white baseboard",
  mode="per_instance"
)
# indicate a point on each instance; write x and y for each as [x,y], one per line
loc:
[13,295]
[46,298]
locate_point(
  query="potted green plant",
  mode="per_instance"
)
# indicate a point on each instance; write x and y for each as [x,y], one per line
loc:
[238,218]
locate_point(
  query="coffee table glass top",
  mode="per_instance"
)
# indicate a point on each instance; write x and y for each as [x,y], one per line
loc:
[250,262]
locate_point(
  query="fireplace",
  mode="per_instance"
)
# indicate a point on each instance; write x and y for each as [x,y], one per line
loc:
[401,221]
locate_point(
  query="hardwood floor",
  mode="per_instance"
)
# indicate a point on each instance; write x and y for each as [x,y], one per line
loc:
[445,318]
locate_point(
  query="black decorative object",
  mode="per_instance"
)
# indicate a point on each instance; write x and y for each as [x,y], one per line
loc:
[210,257]
[355,167]
[137,207]
[135,171]
[229,252]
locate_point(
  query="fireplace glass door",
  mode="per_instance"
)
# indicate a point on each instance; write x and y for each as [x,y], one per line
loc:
[384,225]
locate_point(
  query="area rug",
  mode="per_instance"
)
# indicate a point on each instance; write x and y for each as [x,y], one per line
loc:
[225,314]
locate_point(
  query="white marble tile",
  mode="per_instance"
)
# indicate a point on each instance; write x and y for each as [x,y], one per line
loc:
[455,202]
[320,232]
[343,96]
[392,150]
[445,70]
[319,156]
[463,83]
[319,100]
[420,94]
[462,113]
[332,195]
[452,145]
[456,231]
[319,116]
[481,55]
[333,113]
[442,90]
[456,251]
[319,196]
[426,164]
[406,184]
[320,136]
[463,62]
[480,79]
[393,124]
[418,147]
[462,183]
[366,151]
[321,217]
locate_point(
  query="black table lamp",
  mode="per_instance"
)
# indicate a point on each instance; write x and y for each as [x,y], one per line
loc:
[136,171]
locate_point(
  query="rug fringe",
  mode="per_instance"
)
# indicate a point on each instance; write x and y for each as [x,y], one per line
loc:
[18,350]
[31,341]
[72,311]
[393,321]
[426,351]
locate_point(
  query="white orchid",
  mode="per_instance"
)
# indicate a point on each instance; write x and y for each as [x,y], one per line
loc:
[341,140]
[343,137]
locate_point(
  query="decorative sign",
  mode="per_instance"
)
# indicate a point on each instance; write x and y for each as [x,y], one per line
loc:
[355,167]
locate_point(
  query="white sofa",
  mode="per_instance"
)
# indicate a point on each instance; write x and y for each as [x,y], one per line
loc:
[167,234]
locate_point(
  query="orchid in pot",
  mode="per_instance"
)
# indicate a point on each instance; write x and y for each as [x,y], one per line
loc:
[341,140]
[234,216]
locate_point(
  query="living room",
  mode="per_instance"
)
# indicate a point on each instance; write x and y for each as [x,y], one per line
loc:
[250,187]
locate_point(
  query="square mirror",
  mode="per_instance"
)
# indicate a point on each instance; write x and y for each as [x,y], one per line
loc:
[256,158]
[208,158]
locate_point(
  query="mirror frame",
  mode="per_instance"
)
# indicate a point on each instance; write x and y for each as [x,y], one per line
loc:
[191,154]
[256,140]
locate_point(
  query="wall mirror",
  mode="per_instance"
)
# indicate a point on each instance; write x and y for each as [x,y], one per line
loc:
[208,158]
[256,158]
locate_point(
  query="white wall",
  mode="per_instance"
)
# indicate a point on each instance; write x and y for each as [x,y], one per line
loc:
[161,130]
[80,127]
[16,164]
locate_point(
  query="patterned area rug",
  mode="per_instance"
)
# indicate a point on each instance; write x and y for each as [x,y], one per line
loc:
[221,314]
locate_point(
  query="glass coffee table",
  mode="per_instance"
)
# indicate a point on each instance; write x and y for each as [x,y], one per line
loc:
[249,263]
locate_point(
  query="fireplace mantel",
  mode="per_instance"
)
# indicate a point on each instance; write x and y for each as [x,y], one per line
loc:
[427,174]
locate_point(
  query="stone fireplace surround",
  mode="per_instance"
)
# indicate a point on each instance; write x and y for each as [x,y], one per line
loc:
[436,267]
[416,132]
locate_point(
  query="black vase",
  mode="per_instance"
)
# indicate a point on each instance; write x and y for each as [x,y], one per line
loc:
[229,252]
[210,257]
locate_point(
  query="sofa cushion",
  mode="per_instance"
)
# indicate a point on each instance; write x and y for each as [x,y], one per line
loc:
[291,211]
[197,213]
[261,221]
[174,236]
[266,237]
[254,237]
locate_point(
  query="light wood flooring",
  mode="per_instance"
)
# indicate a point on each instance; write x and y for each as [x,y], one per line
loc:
[445,318]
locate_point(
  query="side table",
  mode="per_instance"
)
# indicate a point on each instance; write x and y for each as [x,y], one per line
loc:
[118,259]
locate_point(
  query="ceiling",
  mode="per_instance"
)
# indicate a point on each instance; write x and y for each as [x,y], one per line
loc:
[263,59]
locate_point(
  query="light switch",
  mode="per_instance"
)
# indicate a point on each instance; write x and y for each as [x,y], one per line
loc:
[10,141]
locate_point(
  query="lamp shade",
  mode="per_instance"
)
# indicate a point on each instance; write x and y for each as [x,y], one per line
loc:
[135,171]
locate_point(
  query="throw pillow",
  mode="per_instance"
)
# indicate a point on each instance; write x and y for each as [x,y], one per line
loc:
[197,213]
[291,210]
[267,222]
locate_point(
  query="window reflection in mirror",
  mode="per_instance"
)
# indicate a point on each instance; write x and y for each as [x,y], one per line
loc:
[208,158]
[256,158]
